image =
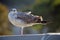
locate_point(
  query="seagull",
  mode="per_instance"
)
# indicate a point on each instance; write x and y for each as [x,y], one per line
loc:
[24,19]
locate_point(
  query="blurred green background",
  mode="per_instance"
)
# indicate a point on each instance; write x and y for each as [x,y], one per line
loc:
[49,9]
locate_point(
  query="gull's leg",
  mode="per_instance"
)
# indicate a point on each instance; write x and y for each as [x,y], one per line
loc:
[22,30]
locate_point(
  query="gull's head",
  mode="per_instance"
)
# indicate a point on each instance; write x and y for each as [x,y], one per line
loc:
[14,10]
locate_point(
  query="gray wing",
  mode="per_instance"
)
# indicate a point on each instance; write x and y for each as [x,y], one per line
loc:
[27,18]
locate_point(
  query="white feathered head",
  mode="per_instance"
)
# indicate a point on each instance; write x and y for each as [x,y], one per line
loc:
[14,9]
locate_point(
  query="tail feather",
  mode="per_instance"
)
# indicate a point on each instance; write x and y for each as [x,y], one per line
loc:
[39,21]
[43,21]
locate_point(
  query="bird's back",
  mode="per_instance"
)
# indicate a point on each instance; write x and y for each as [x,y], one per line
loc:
[24,16]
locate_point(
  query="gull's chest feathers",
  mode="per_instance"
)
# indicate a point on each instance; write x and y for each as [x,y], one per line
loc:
[14,21]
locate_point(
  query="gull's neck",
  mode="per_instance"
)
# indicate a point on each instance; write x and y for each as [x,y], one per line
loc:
[13,14]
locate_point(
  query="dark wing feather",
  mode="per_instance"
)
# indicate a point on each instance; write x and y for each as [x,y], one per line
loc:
[27,18]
